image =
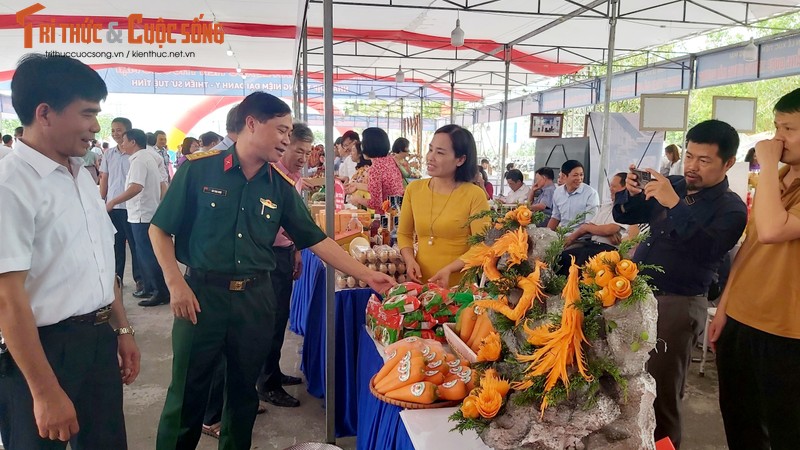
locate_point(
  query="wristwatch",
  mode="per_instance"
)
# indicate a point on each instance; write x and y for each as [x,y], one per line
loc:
[125,330]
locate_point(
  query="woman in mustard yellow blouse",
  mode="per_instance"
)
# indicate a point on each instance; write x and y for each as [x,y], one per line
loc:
[435,210]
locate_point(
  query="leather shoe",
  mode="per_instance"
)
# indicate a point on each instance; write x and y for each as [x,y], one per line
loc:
[279,397]
[287,380]
[154,301]
[142,294]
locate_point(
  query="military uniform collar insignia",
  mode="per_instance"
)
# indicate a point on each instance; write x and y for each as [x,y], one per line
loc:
[227,163]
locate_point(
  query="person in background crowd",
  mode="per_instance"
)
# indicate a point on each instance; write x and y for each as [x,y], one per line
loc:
[70,346]
[231,130]
[287,269]
[436,209]
[543,201]
[347,168]
[384,179]
[519,191]
[105,148]
[400,151]
[753,160]
[113,173]
[18,133]
[481,181]
[160,147]
[209,140]
[487,166]
[5,150]
[575,202]
[338,155]
[694,220]
[190,145]
[672,165]
[91,162]
[598,235]
[562,178]
[225,302]
[756,330]
[8,140]
[144,187]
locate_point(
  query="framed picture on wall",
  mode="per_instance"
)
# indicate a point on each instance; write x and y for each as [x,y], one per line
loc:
[546,125]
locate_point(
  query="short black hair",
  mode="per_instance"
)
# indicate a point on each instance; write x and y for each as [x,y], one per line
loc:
[105,144]
[352,135]
[18,131]
[483,173]
[231,124]
[547,173]
[157,132]
[484,160]
[463,145]
[400,145]
[570,165]
[7,138]
[509,166]
[338,141]
[622,177]
[361,160]
[789,103]
[514,175]
[262,107]
[138,136]
[55,80]
[208,138]
[124,121]
[716,132]
[375,142]
[151,139]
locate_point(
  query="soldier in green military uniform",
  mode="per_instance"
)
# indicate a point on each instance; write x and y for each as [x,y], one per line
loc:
[224,209]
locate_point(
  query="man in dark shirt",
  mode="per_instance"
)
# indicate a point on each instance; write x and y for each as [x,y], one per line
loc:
[694,221]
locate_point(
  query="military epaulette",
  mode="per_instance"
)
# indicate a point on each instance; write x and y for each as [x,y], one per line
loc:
[280,172]
[200,155]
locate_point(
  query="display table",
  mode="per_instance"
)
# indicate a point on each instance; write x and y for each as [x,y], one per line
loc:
[308,316]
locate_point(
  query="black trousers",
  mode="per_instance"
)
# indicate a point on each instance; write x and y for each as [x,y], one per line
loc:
[84,359]
[680,322]
[119,217]
[282,283]
[759,388]
[582,251]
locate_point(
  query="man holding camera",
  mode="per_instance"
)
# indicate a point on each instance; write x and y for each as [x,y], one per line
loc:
[694,221]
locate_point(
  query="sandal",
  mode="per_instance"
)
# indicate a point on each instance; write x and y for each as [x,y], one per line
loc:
[212,430]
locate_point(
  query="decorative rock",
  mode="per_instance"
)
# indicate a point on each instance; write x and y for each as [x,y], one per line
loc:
[540,240]
[631,322]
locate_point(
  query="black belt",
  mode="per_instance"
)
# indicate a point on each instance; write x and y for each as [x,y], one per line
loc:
[230,282]
[97,317]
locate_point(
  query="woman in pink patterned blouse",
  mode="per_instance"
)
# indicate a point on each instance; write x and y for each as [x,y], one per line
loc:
[384,178]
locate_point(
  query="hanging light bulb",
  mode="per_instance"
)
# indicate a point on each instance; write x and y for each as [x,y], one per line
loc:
[372,95]
[238,69]
[400,77]
[229,52]
[750,52]
[244,76]
[457,35]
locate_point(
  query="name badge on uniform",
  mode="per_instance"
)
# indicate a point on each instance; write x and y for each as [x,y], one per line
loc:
[267,203]
[215,191]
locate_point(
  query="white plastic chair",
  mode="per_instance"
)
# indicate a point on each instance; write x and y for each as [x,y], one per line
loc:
[710,316]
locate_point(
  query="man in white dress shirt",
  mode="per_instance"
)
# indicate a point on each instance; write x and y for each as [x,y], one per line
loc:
[113,172]
[231,128]
[519,191]
[62,318]
[144,187]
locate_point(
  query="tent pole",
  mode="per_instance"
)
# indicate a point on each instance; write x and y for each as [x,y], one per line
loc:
[452,97]
[602,182]
[504,126]
[421,118]
[330,217]
[305,70]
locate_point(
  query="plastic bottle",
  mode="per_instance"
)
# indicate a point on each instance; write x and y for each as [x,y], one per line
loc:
[354,224]
[373,229]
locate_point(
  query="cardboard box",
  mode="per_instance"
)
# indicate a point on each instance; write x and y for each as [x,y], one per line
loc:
[345,216]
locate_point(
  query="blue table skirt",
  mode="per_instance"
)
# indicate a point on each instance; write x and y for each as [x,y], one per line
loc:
[379,423]
[310,284]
